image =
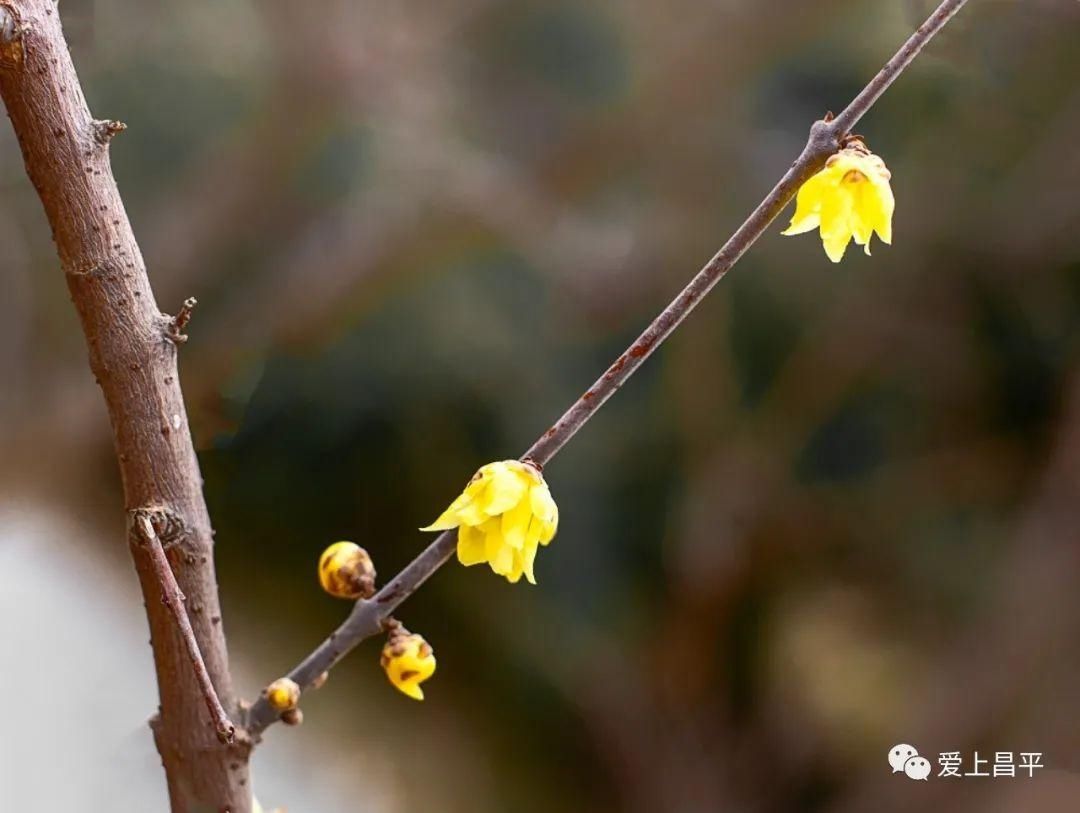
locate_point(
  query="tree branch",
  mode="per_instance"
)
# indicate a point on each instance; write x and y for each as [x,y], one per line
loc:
[173,598]
[369,616]
[133,358]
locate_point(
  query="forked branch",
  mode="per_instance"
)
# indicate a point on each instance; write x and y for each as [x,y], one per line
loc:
[173,598]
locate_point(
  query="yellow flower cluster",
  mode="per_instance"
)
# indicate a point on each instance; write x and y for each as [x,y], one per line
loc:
[408,661]
[504,514]
[851,197]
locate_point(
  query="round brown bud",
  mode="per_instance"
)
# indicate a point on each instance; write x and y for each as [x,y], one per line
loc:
[346,571]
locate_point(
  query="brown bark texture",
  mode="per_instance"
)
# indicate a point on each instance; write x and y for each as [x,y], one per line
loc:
[133,355]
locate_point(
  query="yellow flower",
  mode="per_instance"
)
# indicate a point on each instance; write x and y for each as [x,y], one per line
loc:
[408,660]
[851,197]
[504,513]
[346,571]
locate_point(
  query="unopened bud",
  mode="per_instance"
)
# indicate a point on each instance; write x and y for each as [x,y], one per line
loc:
[346,571]
[408,661]
[283,694]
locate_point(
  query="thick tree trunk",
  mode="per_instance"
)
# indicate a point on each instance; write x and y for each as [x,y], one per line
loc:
[133,356]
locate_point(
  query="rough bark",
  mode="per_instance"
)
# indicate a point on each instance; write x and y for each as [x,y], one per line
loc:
[133,355]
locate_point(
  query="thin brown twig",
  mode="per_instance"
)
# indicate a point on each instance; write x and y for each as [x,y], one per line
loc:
[369,616]
[173,598]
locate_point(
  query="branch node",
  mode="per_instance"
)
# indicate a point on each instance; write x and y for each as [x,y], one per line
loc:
[106,129]
[166,523]
[824,139]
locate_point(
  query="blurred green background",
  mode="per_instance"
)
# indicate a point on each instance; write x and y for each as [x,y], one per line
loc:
[839,510]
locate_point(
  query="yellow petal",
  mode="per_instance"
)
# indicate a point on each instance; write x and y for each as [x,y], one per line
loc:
[801,225]
[541,502]
[863,214]
[836,224]
[547,532]
[536,529]
[503,561]
[447,520]
[505,491]
[513,574]
[473,512]
[808,205]
[470,548]
[452,516]
[836,244]
[499,555]
[515,523]
[528,560]
[886,206]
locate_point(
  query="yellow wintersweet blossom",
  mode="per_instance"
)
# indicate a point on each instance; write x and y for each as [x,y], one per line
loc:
[851,197]
[408,661]
[503,515]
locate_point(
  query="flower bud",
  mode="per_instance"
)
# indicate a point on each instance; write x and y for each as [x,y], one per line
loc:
[408,661]
[292,717]
[346,571]
[283,694]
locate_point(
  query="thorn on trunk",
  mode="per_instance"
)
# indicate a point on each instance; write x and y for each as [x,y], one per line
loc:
[175,329]
[104,130]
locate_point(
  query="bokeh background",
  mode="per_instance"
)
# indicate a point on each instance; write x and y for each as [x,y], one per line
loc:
[839,510]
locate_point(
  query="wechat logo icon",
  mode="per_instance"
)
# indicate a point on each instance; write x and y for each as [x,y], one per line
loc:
[906,760]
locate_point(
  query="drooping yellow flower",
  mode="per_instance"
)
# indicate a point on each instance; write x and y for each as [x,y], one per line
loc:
[504,514]
[408,661]
[851,197]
